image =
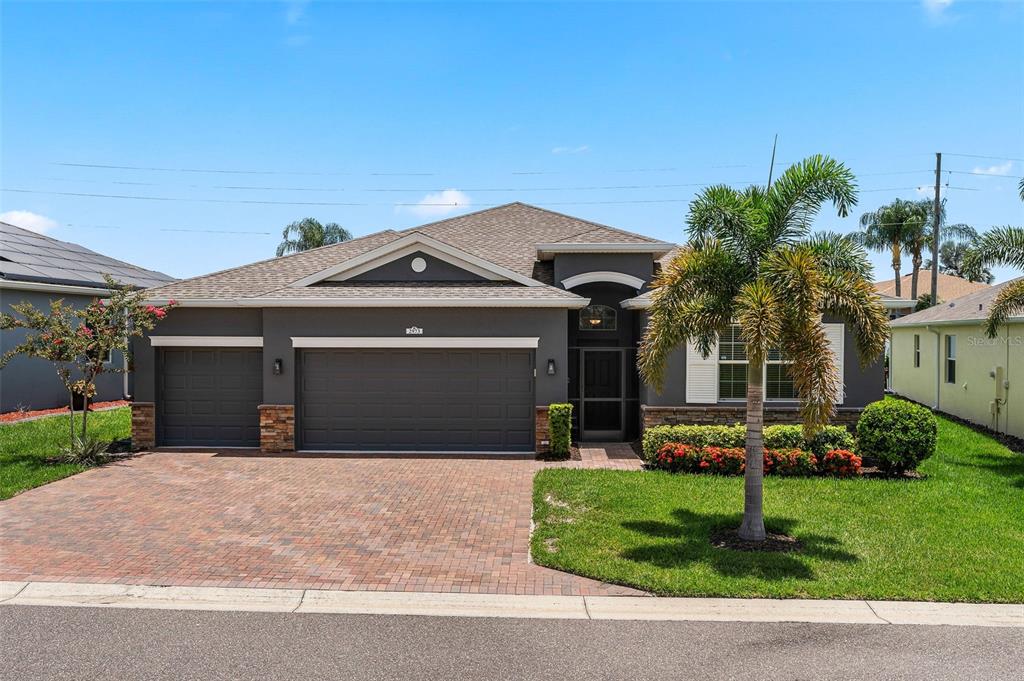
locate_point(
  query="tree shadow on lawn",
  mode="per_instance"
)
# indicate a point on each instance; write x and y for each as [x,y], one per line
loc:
[691,543]
[1010,466]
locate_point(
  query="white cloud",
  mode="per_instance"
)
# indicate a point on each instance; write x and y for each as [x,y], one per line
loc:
[937,9]
[439,204]
[28,220]
[295,11]
[1000,169]
[583,148]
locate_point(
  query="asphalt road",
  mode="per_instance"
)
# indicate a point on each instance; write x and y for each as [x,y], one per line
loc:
[96,643]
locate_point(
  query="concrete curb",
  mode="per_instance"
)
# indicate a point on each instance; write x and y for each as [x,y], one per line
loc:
[505,606]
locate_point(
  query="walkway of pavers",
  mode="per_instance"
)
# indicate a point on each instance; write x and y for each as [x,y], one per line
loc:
[382,523]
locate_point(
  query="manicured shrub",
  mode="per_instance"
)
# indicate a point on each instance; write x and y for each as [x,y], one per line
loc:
[656,437]
[784,437]
[896,434]
[841,463]
[560,429]
[789,461]
[831,438]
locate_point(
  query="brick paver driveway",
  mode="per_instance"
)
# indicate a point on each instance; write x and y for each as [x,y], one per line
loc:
[396,524]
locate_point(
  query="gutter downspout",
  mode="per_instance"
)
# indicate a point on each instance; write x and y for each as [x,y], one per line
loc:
[938,364]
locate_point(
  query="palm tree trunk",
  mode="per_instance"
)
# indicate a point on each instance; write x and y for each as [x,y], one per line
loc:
[752,528]
[917,268]
[896,268]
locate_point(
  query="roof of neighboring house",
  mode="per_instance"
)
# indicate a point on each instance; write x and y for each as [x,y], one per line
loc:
[950,287]
[29,257]
[972,307]
[506,236]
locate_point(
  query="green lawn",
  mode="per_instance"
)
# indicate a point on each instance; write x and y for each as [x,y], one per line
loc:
[24,447]
[956,536]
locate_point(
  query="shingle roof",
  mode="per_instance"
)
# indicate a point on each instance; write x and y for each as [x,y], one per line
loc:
[972,307]
[950,287]
[506,236]
[31,257]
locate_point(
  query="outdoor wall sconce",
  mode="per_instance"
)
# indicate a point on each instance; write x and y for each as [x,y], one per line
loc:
[551,367]
[278,367]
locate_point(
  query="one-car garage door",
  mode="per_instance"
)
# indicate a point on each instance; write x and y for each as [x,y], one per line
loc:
[416,400]
[209,397]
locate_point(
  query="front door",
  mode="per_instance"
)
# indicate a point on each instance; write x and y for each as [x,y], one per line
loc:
[601,404]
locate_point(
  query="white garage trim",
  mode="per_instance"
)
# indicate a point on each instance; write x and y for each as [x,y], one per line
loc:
[488,342]
[611,277]
[207,341]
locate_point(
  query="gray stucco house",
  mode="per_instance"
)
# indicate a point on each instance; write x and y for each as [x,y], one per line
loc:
[37,269]
[451,337]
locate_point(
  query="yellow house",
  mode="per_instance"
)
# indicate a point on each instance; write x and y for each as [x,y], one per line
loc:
[941,357]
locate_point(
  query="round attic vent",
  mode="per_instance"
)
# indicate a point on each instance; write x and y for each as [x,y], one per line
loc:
[419,264]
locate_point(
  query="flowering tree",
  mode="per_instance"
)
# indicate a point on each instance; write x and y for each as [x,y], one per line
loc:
[78,341]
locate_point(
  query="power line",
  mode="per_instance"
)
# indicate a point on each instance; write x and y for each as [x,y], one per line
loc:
[992,158]
[107,166]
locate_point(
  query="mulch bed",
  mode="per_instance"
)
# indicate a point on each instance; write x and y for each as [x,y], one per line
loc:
[14,416]
[773,543]
[574,455]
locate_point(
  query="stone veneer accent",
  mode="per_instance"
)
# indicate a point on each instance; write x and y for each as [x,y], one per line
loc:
[542,431]
[277,428]
[717,414]
[143,425]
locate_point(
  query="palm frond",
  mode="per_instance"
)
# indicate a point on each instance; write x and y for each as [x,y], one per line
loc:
[855,300]
[1001,246]
[759,315]
[719,213]
[795,274]
[812,368]
[798,195]
[840,253]
[1008,303]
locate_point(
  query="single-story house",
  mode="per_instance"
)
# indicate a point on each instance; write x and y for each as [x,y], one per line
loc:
[948,288]
[37,269]
[942,357]
[454,336]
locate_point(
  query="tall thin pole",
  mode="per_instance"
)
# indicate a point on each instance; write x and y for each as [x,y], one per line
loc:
[936,213]
[771,168]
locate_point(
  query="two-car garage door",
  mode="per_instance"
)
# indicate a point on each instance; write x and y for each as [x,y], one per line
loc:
[392,399]
[354,399]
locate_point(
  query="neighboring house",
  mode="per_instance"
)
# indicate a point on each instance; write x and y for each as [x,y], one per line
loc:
[454,336]
[941,357]
[949,287]
[37,269]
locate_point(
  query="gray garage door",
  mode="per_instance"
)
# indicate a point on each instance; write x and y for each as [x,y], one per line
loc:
[209,396]
[416,400]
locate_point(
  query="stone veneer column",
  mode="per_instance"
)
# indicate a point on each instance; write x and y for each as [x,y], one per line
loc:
[542,431]
[277,428]
[143,425]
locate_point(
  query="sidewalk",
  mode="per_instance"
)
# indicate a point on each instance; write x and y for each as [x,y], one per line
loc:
[510,606]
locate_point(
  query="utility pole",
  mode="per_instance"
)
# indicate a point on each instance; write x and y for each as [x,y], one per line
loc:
[936,215]
[771,167]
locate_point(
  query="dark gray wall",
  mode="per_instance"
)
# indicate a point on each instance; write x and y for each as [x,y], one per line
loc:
[31,383]
[401,270]
[189,321]
[278,325]
[636,264]
[863,385]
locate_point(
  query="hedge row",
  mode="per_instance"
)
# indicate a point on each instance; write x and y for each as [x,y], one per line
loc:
[827,439]
[683,458]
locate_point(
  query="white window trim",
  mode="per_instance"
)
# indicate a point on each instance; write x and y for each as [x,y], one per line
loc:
[484,342]
[603,276]
[207,341]
[408,244]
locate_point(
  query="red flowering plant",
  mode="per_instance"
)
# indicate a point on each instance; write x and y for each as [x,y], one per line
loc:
[79,342]
[841,463]
[789,462]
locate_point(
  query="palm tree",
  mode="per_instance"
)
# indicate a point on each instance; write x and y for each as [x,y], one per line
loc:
[749,260]
[919,235]
[953,260]
[309,233]
[890,228]
[1002,246]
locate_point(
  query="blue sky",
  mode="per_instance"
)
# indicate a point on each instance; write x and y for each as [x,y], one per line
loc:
[612,112]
